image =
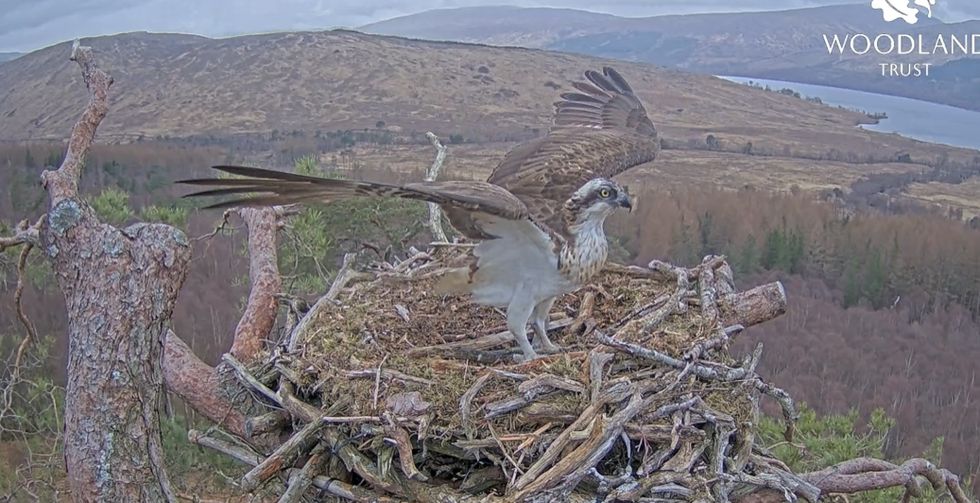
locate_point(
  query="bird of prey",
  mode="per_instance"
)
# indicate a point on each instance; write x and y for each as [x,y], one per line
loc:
[538,219]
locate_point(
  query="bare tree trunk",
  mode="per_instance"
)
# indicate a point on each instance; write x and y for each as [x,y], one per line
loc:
[120,287]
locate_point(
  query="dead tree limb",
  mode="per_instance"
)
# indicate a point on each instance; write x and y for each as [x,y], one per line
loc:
[868,474]
[751,307]
[435,212]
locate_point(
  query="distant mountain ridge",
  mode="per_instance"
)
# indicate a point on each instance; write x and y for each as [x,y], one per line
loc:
[185,85]
[783,45]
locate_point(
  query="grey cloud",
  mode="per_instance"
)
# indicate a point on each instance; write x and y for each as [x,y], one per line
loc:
[31,24]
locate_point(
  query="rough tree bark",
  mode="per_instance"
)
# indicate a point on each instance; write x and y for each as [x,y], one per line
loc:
[198,383]
[120,286]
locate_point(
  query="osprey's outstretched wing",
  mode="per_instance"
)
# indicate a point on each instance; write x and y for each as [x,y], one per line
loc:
[465,200]
[600,130]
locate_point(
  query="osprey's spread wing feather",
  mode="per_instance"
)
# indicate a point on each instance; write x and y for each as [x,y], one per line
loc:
[463,199]
[600,130]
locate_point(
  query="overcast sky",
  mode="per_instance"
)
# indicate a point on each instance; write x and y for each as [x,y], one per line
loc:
[26,25]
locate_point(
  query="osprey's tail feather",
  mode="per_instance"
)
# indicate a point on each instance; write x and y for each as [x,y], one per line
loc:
[266,187]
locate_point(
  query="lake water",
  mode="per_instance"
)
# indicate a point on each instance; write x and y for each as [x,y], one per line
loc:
[909,117]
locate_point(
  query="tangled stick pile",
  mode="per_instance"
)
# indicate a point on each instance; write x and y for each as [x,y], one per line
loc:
[390,392]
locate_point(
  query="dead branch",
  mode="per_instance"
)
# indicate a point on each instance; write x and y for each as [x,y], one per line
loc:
[62,183]
[266,423]
[247,379]
[751,307]
[29,328]
[868,474]
[435,212]
[23,234]
[300,480]
[403,443]
[235,451]
[283,457]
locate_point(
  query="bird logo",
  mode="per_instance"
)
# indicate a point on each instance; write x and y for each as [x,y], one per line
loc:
[903,9]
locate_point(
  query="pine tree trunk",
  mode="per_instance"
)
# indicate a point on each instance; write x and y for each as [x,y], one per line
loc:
[120,286]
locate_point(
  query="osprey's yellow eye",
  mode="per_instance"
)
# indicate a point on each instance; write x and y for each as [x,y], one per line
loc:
[604,193]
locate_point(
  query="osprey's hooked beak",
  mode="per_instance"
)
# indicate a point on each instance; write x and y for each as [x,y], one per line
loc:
[624,201]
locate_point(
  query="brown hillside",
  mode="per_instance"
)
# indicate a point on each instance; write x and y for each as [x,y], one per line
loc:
[178,85]
[188,86]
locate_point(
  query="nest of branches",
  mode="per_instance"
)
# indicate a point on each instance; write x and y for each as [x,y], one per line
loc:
[389,390]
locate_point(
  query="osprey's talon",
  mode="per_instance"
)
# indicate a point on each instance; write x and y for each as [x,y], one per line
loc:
[526,357]
[547,347]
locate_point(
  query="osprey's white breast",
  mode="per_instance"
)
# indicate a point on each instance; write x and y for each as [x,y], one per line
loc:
[523,258]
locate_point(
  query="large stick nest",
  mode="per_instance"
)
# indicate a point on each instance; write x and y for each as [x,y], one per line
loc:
[418,393]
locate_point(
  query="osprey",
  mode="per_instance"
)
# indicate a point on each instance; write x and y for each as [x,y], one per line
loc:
[538,219]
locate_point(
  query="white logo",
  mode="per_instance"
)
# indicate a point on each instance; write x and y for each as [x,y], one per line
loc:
[901,9]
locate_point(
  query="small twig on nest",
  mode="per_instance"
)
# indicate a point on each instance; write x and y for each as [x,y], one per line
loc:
[672,306]
[300,480]
[404,265]
[388,374]
[403,443]
[581,326]
[350,419]
[248,379]
[435,212]
[467,398]
[597,365]
[716,342]
[529,391]
[709,298]
[240,452]
[344,275]
[266,423]
[377,383]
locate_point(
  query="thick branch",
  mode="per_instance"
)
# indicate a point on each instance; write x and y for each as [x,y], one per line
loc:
[263,271]
[283,457]
[199,385]
[751,307]
[868,474]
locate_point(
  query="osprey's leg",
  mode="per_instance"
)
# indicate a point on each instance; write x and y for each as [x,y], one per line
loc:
[539,320]
[518,313]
